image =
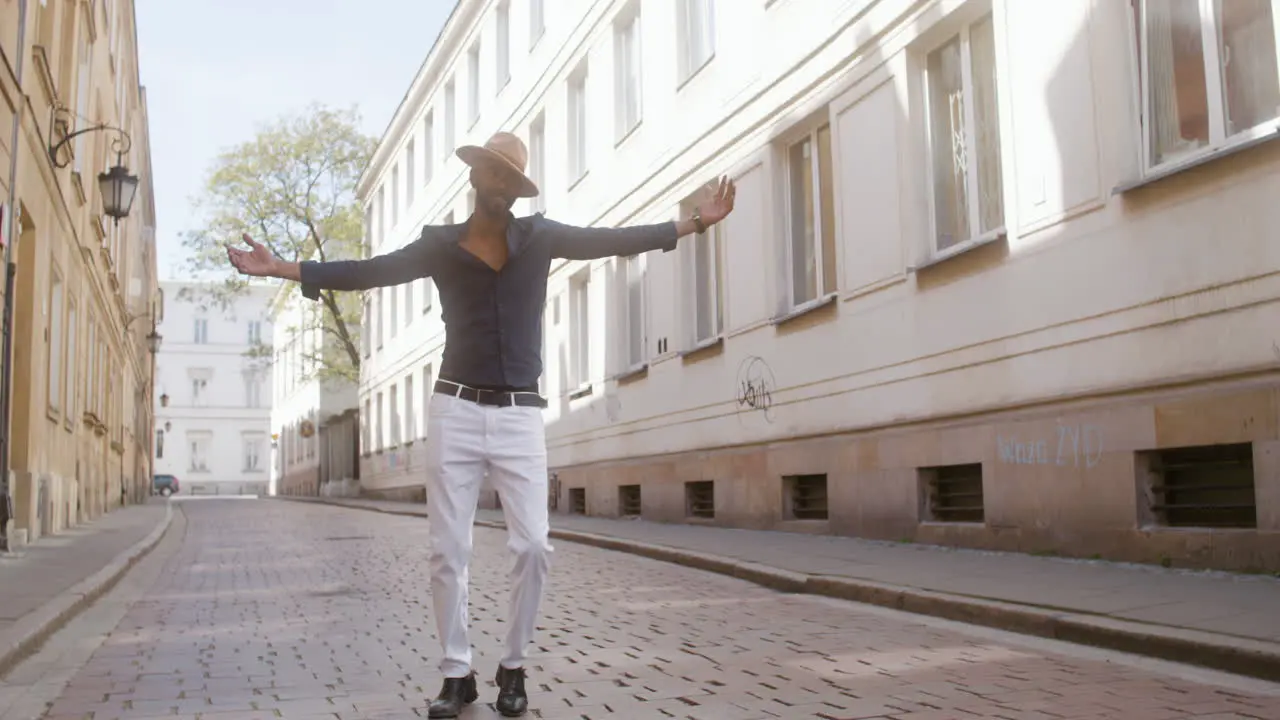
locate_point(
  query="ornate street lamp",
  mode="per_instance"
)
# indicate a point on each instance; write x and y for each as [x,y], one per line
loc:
[164,400]
[153,341]
[117,186]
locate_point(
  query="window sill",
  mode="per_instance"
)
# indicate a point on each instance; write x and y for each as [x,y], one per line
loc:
[703,350]
[957,250]
[1204,158]
[694,72]
[581,392]
[804,309]
[636,373]
[627,135]
[574,185]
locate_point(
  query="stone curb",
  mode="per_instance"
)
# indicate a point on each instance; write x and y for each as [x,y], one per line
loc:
[1241,656]
[28,634]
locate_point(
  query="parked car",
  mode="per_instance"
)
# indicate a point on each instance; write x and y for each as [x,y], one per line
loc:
[165,485]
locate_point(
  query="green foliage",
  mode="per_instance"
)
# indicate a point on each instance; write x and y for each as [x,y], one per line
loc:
[291,188]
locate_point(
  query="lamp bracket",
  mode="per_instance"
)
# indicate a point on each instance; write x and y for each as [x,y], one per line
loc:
[121,143]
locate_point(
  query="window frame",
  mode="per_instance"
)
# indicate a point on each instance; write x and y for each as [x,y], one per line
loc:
[628,64]
[580,331]
[626,265]
[689,261]
[578,122]
[809,131]
[977,236]
[428,147]
[537,161]
[502,31]
[410,172]
[687,66]
[55,361]
[473,84]
[537,22]
[1221,141]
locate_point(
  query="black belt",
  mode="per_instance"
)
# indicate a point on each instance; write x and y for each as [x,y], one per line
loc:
[497,398]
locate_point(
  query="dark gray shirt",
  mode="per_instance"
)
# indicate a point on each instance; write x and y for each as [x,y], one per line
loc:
[492,319]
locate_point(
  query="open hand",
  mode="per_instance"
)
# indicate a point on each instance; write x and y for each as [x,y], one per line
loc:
[720,204]
[257,260]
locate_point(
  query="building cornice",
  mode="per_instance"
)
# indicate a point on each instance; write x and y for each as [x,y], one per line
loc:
[457,27]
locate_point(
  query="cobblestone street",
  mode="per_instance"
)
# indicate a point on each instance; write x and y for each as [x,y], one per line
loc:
[283,610]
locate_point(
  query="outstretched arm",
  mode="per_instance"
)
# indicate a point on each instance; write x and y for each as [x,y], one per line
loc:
[404,265]
[579,243]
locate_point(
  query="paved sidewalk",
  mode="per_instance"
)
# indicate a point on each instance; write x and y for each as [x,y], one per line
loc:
[46,582]
[1222,620]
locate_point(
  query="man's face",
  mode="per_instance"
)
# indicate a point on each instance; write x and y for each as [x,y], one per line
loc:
[497,188]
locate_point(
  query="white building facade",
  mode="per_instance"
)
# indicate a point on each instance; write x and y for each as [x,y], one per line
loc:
[214,417]
[1002,273]
[313,420]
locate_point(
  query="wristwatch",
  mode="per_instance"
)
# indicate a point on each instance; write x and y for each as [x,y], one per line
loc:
[697,221]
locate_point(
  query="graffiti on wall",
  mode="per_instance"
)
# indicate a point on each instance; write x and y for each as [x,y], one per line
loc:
[1077,446]
[754,386]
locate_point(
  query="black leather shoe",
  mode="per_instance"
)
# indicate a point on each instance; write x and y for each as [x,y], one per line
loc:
[456,694]
[512,700]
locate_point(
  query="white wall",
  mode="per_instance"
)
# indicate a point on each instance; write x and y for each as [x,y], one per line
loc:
[216,432]
[299,395]
[1089,288]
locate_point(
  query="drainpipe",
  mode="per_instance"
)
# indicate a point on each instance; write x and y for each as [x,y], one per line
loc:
[10,272]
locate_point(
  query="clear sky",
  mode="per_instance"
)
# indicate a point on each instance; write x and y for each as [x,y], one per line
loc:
[215,70]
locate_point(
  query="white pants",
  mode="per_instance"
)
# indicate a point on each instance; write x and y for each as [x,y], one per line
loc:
[465,439]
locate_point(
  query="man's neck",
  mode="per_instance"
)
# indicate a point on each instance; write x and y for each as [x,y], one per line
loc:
[485,225]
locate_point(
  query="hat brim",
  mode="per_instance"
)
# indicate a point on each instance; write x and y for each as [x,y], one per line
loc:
[473,154]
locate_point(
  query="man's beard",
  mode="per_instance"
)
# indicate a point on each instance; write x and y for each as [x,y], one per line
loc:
[494,205]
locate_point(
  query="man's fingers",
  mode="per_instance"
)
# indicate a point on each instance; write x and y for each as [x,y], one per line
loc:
[248,240]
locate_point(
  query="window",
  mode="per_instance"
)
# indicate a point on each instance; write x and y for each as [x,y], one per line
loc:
[537,22]
[252,389]
[425,284]
[428,147]
[964,136]
[366,327]
[450,117]
[395,307]
[626,43]
[91,376]
[537,161]
[504,44]
[199,443]
[395,416]
[382,218]
[377,313]
[408,304]
[198,395]
[473,84]
[810,217]
[697,31]
[633,272]
[578,124]
[201,331]
[580,330]
[410,159]
[72,380]
[428,387]
[55,343]
[83,77]
[366,423]
[377,419]
[471,202]
[1208,74]
[159,444]
[410,418]
[395,196]
[368,230]
[255,332]
[253,453]
[705,284]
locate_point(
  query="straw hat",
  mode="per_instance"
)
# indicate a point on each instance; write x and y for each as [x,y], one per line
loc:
[506,150]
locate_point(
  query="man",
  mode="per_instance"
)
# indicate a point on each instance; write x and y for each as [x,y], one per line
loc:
[486,412]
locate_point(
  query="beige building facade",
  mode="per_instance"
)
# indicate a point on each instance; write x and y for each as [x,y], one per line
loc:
[1002,274]
[85,303]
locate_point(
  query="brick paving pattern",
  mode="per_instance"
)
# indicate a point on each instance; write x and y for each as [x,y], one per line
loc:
[283,610]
